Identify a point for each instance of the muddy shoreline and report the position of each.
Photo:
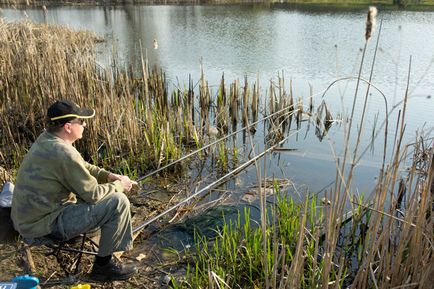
(14, 259)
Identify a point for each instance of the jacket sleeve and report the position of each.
(83, 181)
(97, 172)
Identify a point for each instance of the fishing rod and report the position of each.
(215, 183)
(213, 143)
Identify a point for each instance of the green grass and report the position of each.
(236, 256)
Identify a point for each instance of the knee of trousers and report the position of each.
(121, 201)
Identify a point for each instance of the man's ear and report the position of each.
(67, 127)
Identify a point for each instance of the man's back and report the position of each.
(41, 187)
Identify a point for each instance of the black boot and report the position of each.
(113, 270)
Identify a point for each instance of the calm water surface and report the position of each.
(311, 48)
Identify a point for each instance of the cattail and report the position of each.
(370, 21)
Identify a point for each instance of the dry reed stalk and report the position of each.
(204, 101)
(282, 96)
(291, 106)
(371, 19)
(299, 115)
(255, 100)
(341, 192)
(272, 99)
(246, 96)
(297, 265)
(348, 133)
(222, 114)
(233, 108)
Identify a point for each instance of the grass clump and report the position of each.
(235, 259)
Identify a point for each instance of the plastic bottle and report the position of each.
(6, 195)
(26, 282)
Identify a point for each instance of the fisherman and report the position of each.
(60, 196)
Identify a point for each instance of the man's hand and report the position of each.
(113, 177)
(125, 180)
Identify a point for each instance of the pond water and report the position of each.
(311, 47)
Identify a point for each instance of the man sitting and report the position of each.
(58, 194)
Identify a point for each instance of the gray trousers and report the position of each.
(111, 214)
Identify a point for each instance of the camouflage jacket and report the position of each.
(52, 176)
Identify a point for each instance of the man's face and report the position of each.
(76, 127)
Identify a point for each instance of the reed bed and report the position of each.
(40, 64)
(139, 125)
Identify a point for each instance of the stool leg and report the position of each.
(80, 254)
(56, 252)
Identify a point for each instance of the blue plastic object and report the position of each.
(8, 285)
(26, 282)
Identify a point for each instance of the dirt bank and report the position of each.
(14, 260)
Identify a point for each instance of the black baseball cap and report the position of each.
(63, 111)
